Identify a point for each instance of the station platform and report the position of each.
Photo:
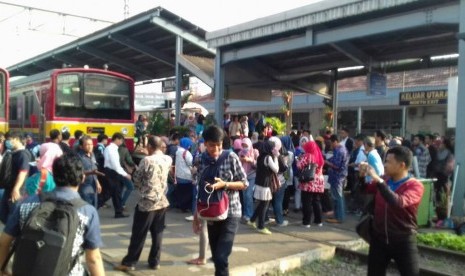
(253, 253)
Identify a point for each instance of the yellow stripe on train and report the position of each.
(92, 129)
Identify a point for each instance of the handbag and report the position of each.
(363, 227)
(214, 210)
(308, 173)
(275, 184)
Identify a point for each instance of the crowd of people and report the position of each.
(262, 171)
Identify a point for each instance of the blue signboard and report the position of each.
(377, 85)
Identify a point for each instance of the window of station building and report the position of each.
(390, 121)
(347, 119)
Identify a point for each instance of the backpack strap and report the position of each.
(43, 178)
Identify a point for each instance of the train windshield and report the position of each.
(92, 95)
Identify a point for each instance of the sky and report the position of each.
(28, 33)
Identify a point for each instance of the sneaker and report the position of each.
(269, 221)
(332, 220)
(125, 268)
(154, 267)
(306, 225)
(264, 231)
(189, 218)
(283, 224)
(319, 224)
(252, 224)
(245, 220)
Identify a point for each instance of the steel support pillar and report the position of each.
(457, 208)
(179, 47)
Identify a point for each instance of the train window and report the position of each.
(106, 92)
(13, 109)
(68, 90)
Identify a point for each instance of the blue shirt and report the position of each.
(89, 163)
(87, 235)
(340, 160)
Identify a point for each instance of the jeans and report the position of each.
(247, 195)
(404, 253)
(277, 203)
(129, 188)
(221, 236)
(337, 194)
(6, 206)
(90, 198)
(153, 221)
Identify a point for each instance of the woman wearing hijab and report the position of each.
(297, 196)
(288, 147)
(183, 164)
(237, 145)
(267, 164)
(312, 190)
(248, 156)
(278, 196)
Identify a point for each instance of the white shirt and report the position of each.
(111, 156)
(183, 164)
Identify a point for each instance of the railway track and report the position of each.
(433, 261)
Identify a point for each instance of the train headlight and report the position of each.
(124, 130)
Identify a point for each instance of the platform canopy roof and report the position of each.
(295, 49)
(143, 46)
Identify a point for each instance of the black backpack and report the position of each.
(46, 241)
(6, 178)
(208, 174)
(99, 158)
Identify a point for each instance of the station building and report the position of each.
(414, 102)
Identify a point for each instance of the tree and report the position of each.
(277, 124)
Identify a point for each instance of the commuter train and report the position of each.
(91, 100)
(4, 90)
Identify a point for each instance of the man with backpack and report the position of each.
(14, 171)
(45, 217)
(220, 172)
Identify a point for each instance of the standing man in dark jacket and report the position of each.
(395, 216)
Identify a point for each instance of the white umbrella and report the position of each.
(195, 107)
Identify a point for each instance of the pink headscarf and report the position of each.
(237, 145)
(48, 153)
(249, 152)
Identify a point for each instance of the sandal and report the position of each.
(197, 261)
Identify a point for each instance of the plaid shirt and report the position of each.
(230, 171)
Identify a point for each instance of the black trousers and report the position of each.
(221, 236)
(115, 183)
(260, 213)
(153, 221)
(404, 253)
(311, 204)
